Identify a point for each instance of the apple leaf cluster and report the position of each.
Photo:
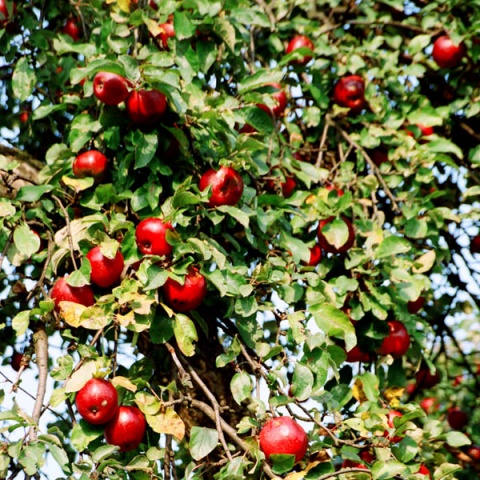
(253, 225)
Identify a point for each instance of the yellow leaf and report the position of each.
(71, 312)
(168, 422)
(93, 318)
(125, 320)
(425, 262)
(392, 395)
(153, 27)
(357, 391)
(124, 382)
(80, 377)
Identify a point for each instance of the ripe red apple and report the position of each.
(97, 401)
(150, 236)
(447, 54)
(414, 306)
(72, 29)
(188, 296)
(301, 41)
(126, 429)
(429, 404)
(227, 186)
(390, 416)
(24, 115)
(105, 271)
(110, 88)
(63, 292)
(283, 435)
(424, 130)
(330, 187)
(288, 186)
(146, 106)
(475, 244)
(366, 456)
(167, 32)
(91, 163)
(315, 256)
(4, 14)
(357, 355)
(326, 246)
(280, 98)
(423, 470)
(474, 453)
(396, 343)
(379, 155)
(426, 379)
(349, 92)
(16, 360)
(457, 418)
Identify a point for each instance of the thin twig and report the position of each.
(69, 231)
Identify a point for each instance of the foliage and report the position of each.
(272, 333)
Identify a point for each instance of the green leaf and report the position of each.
(427, 116)
(282, 463)
(182, 25)
(81, 277)
(83, 128)
(259, 79)
(61, 457)
(302, 382)
(392, 246)
(334, 323)
(26, 241)
(202, 442)
(457, 439)
(145, 147)
(241, 387)
(185, 334)
(384, 470)
(23, 79)
(20, 322)
(236, 213)
(370, 385)
(225, 30)
(336, 233)
(443, 145)
(299, 250)
(83, 433)
(46, 110)
(31, 194)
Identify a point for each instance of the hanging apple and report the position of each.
(105, 271)
(97, 401)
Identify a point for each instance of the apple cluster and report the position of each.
(97, 404)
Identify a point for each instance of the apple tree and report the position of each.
(240, 239)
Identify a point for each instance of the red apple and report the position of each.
(24, 115)
(429, 404)
(97, 401)
(105, 271)
(474, 453)
(288, 186)
(4, 14)
(357, 355)
(424, 130)
(17, 360)
(283, 435)
(423, 470)
(366, 456)
(150, 236)
(167, 32)
(475, 244)
(110, 88)
(63, 292)
(227, 186)
(280, 98)
(414, 306)
(90, 164)
(188, 296)
(326, 246)
(446, 53)
(72, 29)
(390, 416)
(146, 106)
(301, 41)
(457, 418)
(315, 256)
(330, 187)
(126, 429)
(379, 155)
(397, 342)
(349, 92)
(426, 379)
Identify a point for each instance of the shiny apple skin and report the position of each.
(349, 92)
(397, 342)
(301, 41)
(447, 54)
(126, 429)
(167, 32)
(72, 29)
(97, 401)
(282, 435)
(457, 418)
(150, 236)
(146, 106)
(110, 88)
(105, 271)
(315, 255)
(63, 292)
(90, 164)
(227, 186)
(188, 296)
(322, 240)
